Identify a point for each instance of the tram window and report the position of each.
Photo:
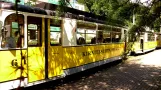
(86, 36)
(90, 37)
(80, 36)
(13, 32)
(99, 36)
(116, 36)
(55, 35)
(55, 32)
(106, 37)
(33, 34)
(151, 37)
(34, 31)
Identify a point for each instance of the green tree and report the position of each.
(31, 2)
(123, 10)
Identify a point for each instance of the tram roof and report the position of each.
(50, 9)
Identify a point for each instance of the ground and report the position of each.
(141, 72)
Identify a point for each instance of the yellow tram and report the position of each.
(43, 47)
(147, 41)
(158, 39)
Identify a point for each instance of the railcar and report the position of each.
(147, 41)
(38, 46)
(158, 38)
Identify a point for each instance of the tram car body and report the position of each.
(158, 40)
(52, 47)
(147, 41)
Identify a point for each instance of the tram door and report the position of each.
(54, 49)
(36, 48)
(142, 45)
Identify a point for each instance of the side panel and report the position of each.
(147, 46)
(36, 60)
(158, 43)
(55, 61)
(10, 63)
(150, 45)
(136, 46)
(76, 56)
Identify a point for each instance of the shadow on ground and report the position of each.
(112, 76)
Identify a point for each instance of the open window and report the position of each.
(34, 31)
(151, 37)
(55, 32)
(104, 34)
(99, 36)
(13, 32)
(90, 35)
(80, 36)
(116, 34)
(106, 37)
(86, 36)
(86, 33)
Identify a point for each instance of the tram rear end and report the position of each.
(13, 50)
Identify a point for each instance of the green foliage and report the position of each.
(122, 11)
(88, 4)
(156, 25)
(86, 25)
(108, 8)
(119, 12)
(31, 2)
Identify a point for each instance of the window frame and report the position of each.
(151, 37)
(107, 32)
(115, 33)
(56, 25)
(85, 33)
(58, 44)
(39, 28)
(22, 19)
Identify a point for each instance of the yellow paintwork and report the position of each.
(136, 46)
(9, 72)
(67, 57)
(147, 45)
(150, 45)
(76, 56)
(59, 58)
(36, 60)
(55, 61)
(36, 63)
(158, 43)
